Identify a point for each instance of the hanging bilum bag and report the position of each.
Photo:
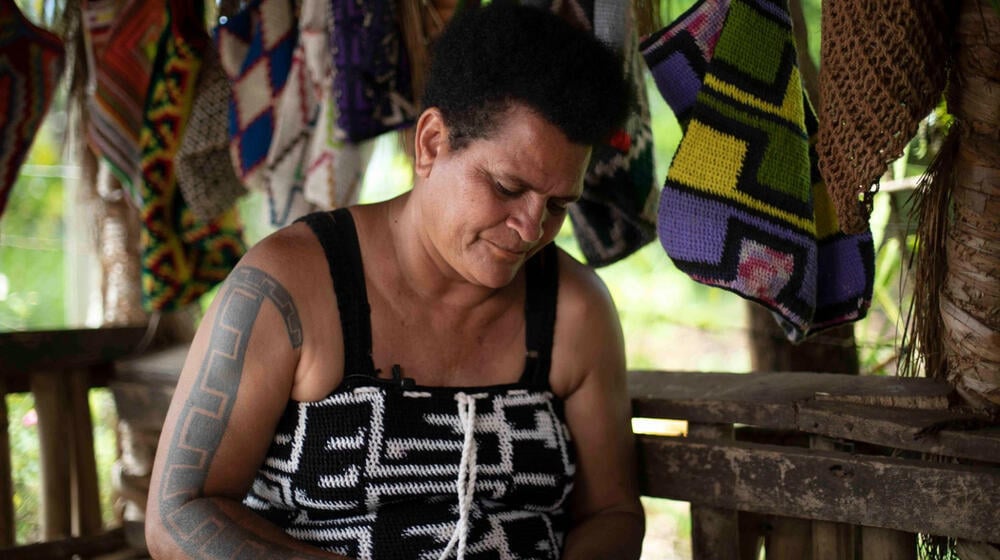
(31, 61)
(205, 172)
(884, 69)
(616, 213)
(122, 70)
(182, 257)
(371, 79)
(743, 207)
(334, 166)
(255, 47)
(295, 113)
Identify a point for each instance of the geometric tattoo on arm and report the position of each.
(202, 529)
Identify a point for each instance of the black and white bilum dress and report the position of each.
(384, 469)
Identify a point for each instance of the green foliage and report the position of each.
(24, 466)
(31, 247)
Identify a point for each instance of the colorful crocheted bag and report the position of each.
(182, 257)
(743, 207)
(255, 47)
(31, 61)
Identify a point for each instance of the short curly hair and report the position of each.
(488, 58)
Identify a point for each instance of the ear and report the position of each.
(430, 141)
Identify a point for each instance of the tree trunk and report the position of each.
(970, 294)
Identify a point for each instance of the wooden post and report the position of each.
(51, 403)
(86, 502)
(830, 541)
(887, 544)
(8, 533)
(714, 531)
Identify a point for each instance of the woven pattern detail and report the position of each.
(205, 170)
(31, 61)
(371, 71)
(616, 213)
(122, 73)
(743, 206)
(334, 167)
(182, 257)
(884, 68)
(370, 472)
(255, 47)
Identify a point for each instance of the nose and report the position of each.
(528, 221)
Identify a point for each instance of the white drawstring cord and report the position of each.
(466, 483)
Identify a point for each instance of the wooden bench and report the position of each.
(872, 454)
(862, 463)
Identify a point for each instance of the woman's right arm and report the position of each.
(234, 386)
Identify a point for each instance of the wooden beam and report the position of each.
(937, 498)
(767, 399)
(859, 408)
(22, 353)
(86, 547)
(938, 432)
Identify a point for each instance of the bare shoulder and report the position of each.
(293, 273)
(588, 337)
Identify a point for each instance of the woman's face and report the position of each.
(499, 200)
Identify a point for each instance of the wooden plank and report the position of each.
(789, 539)
(885, 544)
(765, 399)
(105, 543)
(714, 531)
(937, 498)
(917, 430)
(7, 519)
(830, 541)
(86, 509)
(22, 353)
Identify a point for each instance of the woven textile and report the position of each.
(205, 172)
(31, 61)
(616, 213)
(182, 257)
(334, 167)
(371, 71)
(743, 207)
(122, 71)
(256, 47)
(884, 69)
(372, 471)
(295, 113)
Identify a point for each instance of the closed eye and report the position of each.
(504, 191)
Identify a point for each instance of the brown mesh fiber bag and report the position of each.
(884, 66)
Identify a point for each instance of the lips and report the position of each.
(515, 252)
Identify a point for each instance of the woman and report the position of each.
(428, 377)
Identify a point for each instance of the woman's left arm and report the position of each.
(608, 519)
